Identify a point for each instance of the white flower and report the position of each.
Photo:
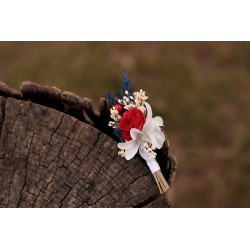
(146, 140)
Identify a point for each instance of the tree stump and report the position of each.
(55, 151)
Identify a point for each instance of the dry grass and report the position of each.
(201, 89)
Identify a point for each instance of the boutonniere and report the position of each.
(137, 129)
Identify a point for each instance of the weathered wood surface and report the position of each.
(55, 151)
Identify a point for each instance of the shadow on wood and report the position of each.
(55, 151)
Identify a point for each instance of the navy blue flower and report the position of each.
(126, 84)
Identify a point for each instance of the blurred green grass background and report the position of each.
(201, 89)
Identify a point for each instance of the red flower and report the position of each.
(133, 118)
(118, 107)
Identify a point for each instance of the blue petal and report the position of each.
(126, 84)
(111, 99)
